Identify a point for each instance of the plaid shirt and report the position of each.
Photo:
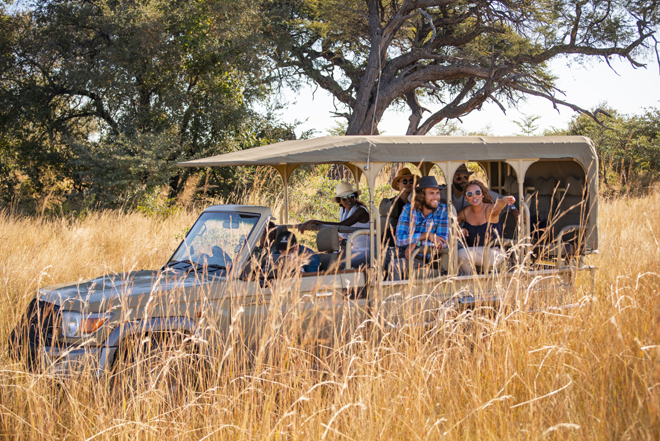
(436, 222)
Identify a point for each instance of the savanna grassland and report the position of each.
(588, 372)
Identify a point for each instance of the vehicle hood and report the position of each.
(110, 289)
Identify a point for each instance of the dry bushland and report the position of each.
(588, 372)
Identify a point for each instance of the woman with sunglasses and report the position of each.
(352, 213)
(480, 222)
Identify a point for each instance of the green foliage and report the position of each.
(103, 98)
(628, 146)
(338, 129)
(312, 192)
(452, 128)
(527, 124)
(154, 204)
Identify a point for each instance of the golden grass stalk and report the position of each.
(589, 372)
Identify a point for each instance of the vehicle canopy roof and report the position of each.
(368, 154)
(414, 149)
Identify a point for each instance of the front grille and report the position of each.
(38, 327)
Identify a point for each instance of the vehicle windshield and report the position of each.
(214, 241)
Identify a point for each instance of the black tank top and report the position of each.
(479, 235)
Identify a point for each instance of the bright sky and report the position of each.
(628, 90)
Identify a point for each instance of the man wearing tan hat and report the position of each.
(403, 182)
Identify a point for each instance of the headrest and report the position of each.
(384, 207)
(545, 186)
(574, 186)
(511, 184)
(327, 239)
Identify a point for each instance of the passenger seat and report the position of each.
(386, 221)
(570, 212)
(541, 202)
(327, 242)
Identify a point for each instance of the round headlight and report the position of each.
(71, 323)
(75, 324)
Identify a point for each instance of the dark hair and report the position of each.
(271, 230)
(420, 197)
(487, 198)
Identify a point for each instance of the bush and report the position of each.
(628, 147)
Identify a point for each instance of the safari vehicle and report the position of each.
(214, 283)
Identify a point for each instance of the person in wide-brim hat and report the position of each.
(343, 190)
(352, 213)
(403, 173)
(403, 182)
(463, 170)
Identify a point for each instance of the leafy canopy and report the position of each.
(103, 97)
(444, 58)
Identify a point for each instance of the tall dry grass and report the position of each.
(589, 372)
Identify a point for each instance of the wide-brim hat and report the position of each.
(344, 189)
(427, 182)
(405, 171)
(463, 170)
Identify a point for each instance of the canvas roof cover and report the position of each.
(414, 149)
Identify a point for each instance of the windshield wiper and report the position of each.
(176, 262)
(198, 266)
(215, 267)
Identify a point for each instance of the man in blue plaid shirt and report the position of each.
(424, 222)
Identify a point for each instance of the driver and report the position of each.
(289, 249)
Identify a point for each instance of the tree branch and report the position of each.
(416, 112)
(556, 102)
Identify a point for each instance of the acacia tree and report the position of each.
(449, 55)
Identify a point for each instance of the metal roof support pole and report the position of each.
(524, 228)
(370, 171)
(448, 169)
(285, 172)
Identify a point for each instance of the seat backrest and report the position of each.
(509, 225)
(328, 261)
(327, 239)
(570, 206)
(327, 242)
(385, 219)
(541, 201)
(511, 185)
(508, 220)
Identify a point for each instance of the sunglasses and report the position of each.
(473, 193)
(462, 178)
(350, 196)
(408, 181)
